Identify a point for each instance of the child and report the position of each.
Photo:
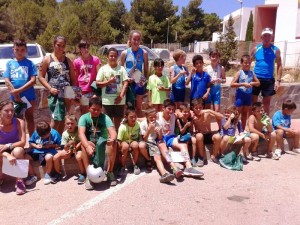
(202, 129)
(243, 81)
(128, 138)
(166, 120)
(200, 81)
(20, 77)
(281, 122)
(184, 125)
(260, 129)
(178, 73)
(158, 86)
(217, 76)
(112, 78)
(72, 146)
(44, 142)
(152, 135)
(231, 123)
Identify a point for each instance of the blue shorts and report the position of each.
(242, 98)
(215, 95)
(168, 139)
(177, 95)
(40, 155)
(139, 90)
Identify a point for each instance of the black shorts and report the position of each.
(208, 138)
(266, 87)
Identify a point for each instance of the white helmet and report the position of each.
(96, 175)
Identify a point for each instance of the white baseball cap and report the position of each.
(267, 30)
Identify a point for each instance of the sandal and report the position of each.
(149, 166)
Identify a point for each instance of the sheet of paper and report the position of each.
(19, 170)
(25, 100)
(178, 157)
(238, 138)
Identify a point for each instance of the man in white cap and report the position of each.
(265, 54)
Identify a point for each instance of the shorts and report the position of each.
(114, 110)
(152, 149)
(41, 156)
(242, 98)
(138, 90)
(266, 87)
(168, 139)
(214, 95)
(177, 95)
(57, 107)
(85, 99)
(207, 138)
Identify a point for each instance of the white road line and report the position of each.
(92, 202)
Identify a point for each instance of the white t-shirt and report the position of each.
(143, 129)
(168, 127)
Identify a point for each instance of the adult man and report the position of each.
(93, 127)
(265, 54)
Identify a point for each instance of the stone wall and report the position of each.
(286, 91)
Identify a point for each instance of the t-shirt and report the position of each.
(199, 84)
(215, 74)
(230, 131)
(87, 72)
(19, 73)
(279, 119)
(68, 136)
(54, 138)
(152, 135)
(157, 96)
(180, 83)
(101, 123)
(128, 134)
(168, 127)
(113, 90)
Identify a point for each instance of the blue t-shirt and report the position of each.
(231, 129)
(54, 138)
(265, 61)
(245, 77)
(279, 119)
(180, 83)
(199, 84)
(19, 73)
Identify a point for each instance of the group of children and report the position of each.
(171, 125)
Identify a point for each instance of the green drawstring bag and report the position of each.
(130, 97)
(97, 91)
(231, 161)
(99, 157)
(20, 108)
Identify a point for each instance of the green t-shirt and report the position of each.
(101, 123)
(113, 90)
(129, 134)
(66, 137)
(157, 96)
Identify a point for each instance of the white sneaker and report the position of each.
(278, 152)
(47, 179)
(296, 150)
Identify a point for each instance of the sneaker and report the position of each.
(244, 159)
(272, 156)
(136, 170)
(81, 179)
(192, 172)
(200, 163)
(178, 172)
(111, 179)
(88, 184)
(255, 157)
(278, 152)
(57, 177)
(30, 180)
(296, 150)
(194, 163)
(214, 159)
(122, 172)
(47, 179)
(166, 178)
(20, 187)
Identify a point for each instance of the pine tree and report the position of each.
(249, 33)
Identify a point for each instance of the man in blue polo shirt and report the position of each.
(265, 55)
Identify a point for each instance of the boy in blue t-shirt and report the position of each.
(43, 143)
(20, 76)
(200, 81)
(281, 122)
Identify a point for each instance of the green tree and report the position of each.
(249, 32)
(227, 44)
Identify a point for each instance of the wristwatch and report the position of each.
(10, 146)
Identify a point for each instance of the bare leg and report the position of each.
(80, 163)
(124, 151)
(267, 102)
(111, 151)
(135, 151)
(29, 116)
(139, 102)
(49, 163)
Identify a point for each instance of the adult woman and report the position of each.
(12, 140)
(60, 72)
(135, 60)
(86, 68)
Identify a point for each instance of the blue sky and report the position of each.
(220, 7)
